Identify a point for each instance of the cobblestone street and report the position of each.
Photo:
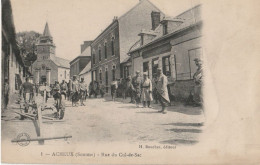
(102, 120)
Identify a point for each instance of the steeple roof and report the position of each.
(46, 31)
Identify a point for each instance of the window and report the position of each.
(142, 40)
(12, 60)
(94, 74)
(93, 58)
(106, 80)
(166, 66)
(155, 65)
(112, 47)
(194, 53)
(126, 74)
(99, 54)
(65, 74)
(146, 68)
(105, 49)
(185, 65)
(100, 76)
(114, 73)
(165, 29)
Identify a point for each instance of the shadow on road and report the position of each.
(185, 130)
(179, 141)
(186, 124)
(148, 112)
(185, 110)
(128, 107)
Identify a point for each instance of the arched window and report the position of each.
(106, 72)
(99, 54)
(105, 50)
(113, 46)
(100, 76)
(114, 72)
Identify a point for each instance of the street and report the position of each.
(102, 120)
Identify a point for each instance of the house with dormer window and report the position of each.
(172, 46)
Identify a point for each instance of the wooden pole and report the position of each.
(39, 134)
(26, 115)
(44, 117)
(41, 138)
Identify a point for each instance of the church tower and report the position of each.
(46, 47)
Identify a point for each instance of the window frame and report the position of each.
(154, 59)
(113, 46)
(146, 62)
(189, 55)
(100, 76)
(93, 58)
(165, 28)
(164, 66)
(105, 50)
(113, 72)
(99, 54)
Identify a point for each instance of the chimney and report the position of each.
(155, 19)
(85, 45)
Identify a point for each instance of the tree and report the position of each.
(27, 41)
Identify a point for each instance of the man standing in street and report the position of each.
(75, 91)
(6, 93)
(69, 85)
(83, 90)
(162, 91)
(129, 88)
(114, 86)
(147, 87)
(26, 90)
(198, 75)
(154, 82)
(64, 88)
(137, 88)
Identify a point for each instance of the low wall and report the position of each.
(181, 89)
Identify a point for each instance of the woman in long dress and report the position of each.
(146, 95)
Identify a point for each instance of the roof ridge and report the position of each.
(140, 1)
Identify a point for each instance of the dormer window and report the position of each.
(165, 29)
(142, 40)
(169, 24)
(146, 36)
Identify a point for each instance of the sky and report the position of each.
(73, 21)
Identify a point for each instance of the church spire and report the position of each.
(46, 31)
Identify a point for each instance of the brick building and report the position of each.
(80, 62)
(48, 67)
(109, 50)
(173, 46)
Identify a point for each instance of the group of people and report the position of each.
(144, 90)
(75, 90)
(140, 89)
